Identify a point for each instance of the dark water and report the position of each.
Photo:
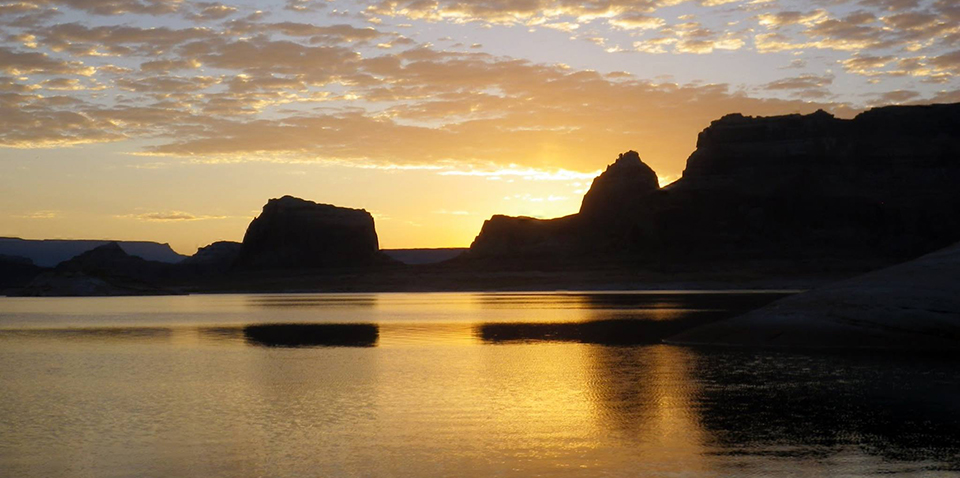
(491, 384)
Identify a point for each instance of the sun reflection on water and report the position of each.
(445, 385)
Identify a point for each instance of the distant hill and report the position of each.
(423, 256)
(17, 271)
(50, 252)
(105, 270)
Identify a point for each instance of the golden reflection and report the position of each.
(432, 334)
(645, 396)
(100, 401)
(527, 405)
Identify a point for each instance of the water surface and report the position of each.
(448, 384)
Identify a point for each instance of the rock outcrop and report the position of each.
(914, 305)
(602, 225)
(882, 186)
(293, 233)
(218, 256)
(508, 236)
(620, 188)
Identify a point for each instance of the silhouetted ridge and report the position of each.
(880, 187)
(295, 233)
(50, 252)
(619, 192)
(104, 270)
(899, 146)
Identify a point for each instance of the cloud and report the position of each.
(331, 89)
(116, 7)
(895, 97)
(163, 85)
(950, 9)
(210, 11)
(797, 64)
(866, 65)
(120, 40)
(689, 37)
(26, 15)
(891, 5)
(166, 66)
(530, 114)
(781, 19)
(939, 69)
(338, 33)
(17, 8)
(34, 121)
(305, 5)
(524, 11)
(949, 62)
(912, 20)
(803, 86)
(529, 174)
(875, 40)
(800, 82)
(49, 214)
(635, 21)
(22, 63)
(11, 85)
(414, 107)
(62, 84)
(261, 57)
(169, 216)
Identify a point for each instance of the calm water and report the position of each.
(447, 385)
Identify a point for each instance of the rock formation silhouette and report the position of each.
(218, 256)
(620, 188)
(797, 187)
(805, 197)
(293, 233)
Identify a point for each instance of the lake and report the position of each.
(448, 384)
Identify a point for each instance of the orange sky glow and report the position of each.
(174, 121)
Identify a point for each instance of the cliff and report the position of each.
(795, 187)
(295, 233)
(894, 150)
(915, 305)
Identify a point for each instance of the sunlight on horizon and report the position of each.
(176, 121)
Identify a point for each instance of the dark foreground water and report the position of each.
(447, 385)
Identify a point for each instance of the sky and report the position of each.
(175, 120)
